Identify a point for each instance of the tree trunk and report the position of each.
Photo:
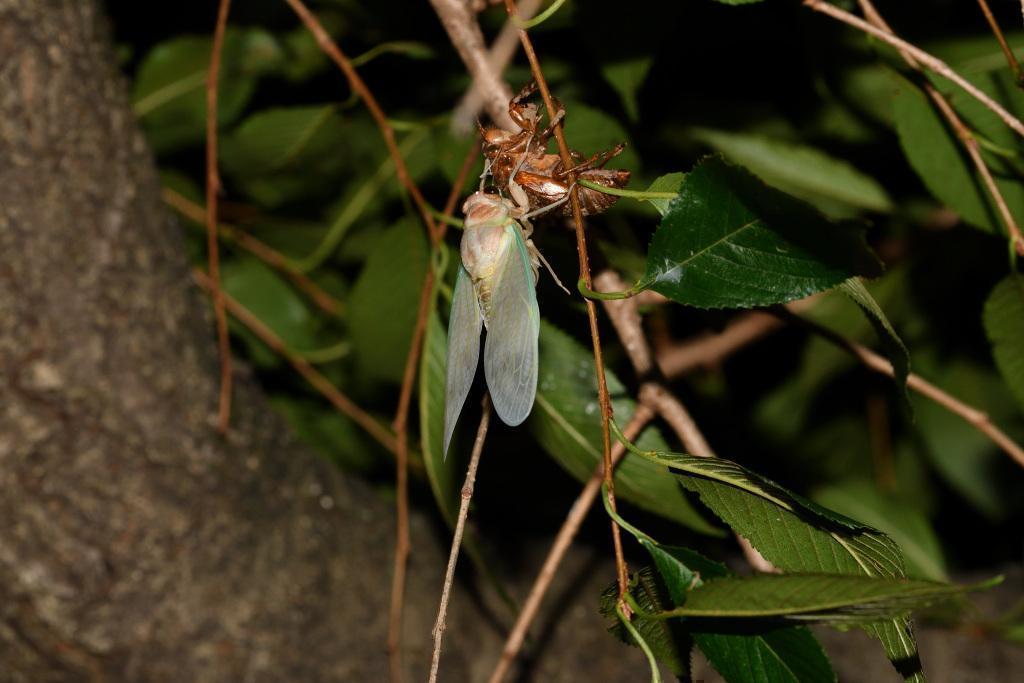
(135, 543)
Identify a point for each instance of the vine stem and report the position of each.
(460, 527)
(933, 63)
(563, 540)
(967, 138)
(340, 401)
(212, 190)
(584, 259)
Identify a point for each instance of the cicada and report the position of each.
(520, 162)
(495, 288)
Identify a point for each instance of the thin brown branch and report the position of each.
(1011, 59)
(459, 20)
(269, 255)
(976, 418)
(357, 84)
(931, 62)
(502, 50)
(460, 526)
(342, 403)
(563, 540)
(402, 544)
(625, 317)
(584, 259)
(710, 349)
(970, 143)
(212, 190)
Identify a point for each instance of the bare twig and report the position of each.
(259, 249)
(459, 20)
(402, 544)
(577, 513)
(976, 418)
(970, 143)
(626, 319)
(212, 190)
(357, 84)
(342, 403)
(584, 259)
(933, 63)
(460, 526)
(710, 349)
(1011, 59)
(502, 50)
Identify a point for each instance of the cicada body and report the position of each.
(496, 289)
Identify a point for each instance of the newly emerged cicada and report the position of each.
(495, 288)
(520, 163)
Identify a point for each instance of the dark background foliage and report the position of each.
(805, 103)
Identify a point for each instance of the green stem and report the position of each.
(993, 147)
(626, 442)
(651, 661)
(632, 194)
(327, 354)
(540, 18)
(445, 218)
(620, 521)
(354, 208)
(581, 285)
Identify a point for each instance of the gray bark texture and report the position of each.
(135, 543)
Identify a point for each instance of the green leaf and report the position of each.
(729, 241)
(442, 472)
(802, 171)
(590, 131)
(169, 93)
(765, 655)
(278, 155)
(385, 300)
(890, 514)
(938, 156)
(1004, 325)
(566, 420)
(780, 655)
(670, 182)
(797, 535)
(965, 458)
(832, 598)
(895, 350)
(667, 638)
(271, 299)
(626, 76)
(329, 432)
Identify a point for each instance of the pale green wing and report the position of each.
(510, 356)
(463, 351)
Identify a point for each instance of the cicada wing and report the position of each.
(463, 351)
(513, 325)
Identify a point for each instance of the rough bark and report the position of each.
(136, 544)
